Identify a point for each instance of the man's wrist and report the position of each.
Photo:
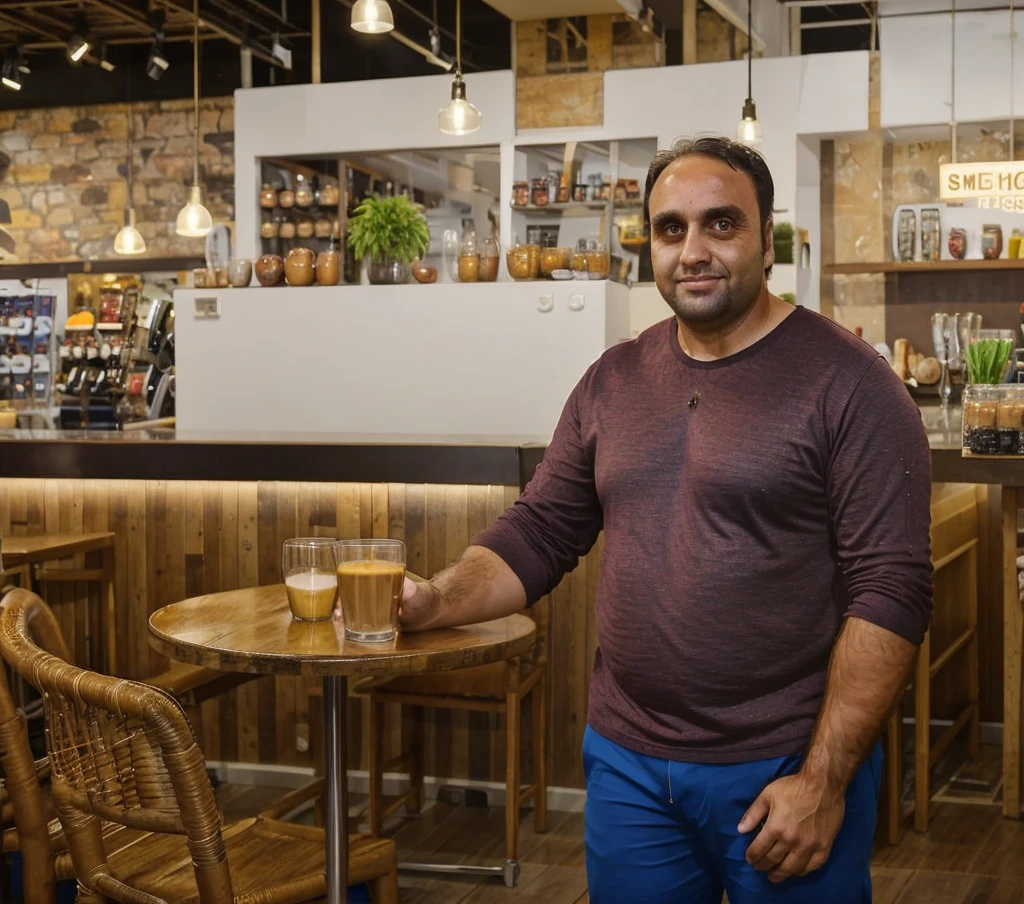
(820, 779)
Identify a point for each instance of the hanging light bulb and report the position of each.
(458, 116)
(194, 220)
(128, 239)
(749, 130)
(372, 17)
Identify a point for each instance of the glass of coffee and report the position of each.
(307, 566)
(370, 578)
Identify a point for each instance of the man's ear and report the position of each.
(768, 242)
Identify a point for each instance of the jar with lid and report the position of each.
(563, 189)
(322, 229)
(517, 260)
(579, 192)
(469, 258)
(520, 194)
(286, 198)
(268, 228)
(305, 227)
(330, 194)
(552, 259)
(286, 228)
(268, 197)
(540, 193)
(303, 192)
(489, 256)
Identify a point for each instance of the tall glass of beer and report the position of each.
(370, 578)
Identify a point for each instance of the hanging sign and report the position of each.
(1000, 183)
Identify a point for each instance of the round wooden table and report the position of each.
(253, 631)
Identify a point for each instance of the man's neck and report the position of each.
(709, 342)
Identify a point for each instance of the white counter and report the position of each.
(466, 359)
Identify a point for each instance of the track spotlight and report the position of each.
(105, 63)
(157, 63)
(78, 42)
(10, 77)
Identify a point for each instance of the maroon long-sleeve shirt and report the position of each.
(738, 532)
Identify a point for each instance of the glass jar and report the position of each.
(598, 261)
(305, 227)
(490, 254)
(322, 229)
(563, 189)
(286, 198)
(579, 260)
(286, 229)
(993, 419)
(303, 192)
(268, 228)
(268, 197)
(517, 260)
(552, 259)
(330, 194)
(540, 193)
(520, 194)
(469, 259)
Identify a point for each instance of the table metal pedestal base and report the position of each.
(508, 871)
(336, 768)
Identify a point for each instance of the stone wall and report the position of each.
(62, 171)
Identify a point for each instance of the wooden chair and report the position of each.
(124, 752)
(499, 688)
(954, 537)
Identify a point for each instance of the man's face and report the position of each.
(707, 249)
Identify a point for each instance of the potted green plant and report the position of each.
(782, 236)
(389, 233)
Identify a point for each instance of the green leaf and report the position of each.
(391, 227)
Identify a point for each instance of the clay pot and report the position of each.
(328, 268)
(422, 274)
(239, 272)
(269, 270)
(299, 267)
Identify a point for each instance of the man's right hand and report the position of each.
(419, 606)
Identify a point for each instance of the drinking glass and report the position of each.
(370, 578)
(308, 570)
(942, 326)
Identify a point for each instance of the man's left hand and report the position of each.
(801, 821)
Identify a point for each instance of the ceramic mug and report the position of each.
(239, 272)
(269, 270)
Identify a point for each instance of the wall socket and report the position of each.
(545, 303)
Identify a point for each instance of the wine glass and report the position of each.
(942, 332)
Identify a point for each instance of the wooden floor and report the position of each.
(971, 855)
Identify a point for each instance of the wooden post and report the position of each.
(1013, 640)
(315, 39)
(795, 32)
(689, 32)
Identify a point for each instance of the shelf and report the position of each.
(112, 327)
(923, 267)
(578, 207)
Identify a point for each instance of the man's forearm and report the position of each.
(866, 677)
(477, 588)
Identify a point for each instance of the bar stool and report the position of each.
(954, 537)
(28, 559)
(31, 556)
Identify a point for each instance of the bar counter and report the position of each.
(198, 513)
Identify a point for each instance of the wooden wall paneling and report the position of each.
(438, 729)
(56, 515)
(156, 562)
(456, 510)
(599, 43)
(990, 602)
(285, 697)
(365, 510)
(248, 576)
(480, 737)
(416, 561)
(117, 521)
(531, 47)
(216, 746)
(96, 497)
(136, 589)
(560, 101)
(347, 515)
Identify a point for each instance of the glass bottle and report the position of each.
(303, 192)
(469, 259)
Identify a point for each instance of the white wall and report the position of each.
(916, 68)
(771, 22)
(354, 117)
(458, 359)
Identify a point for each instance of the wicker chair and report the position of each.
(124, 753)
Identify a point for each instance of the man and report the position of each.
(763, 483)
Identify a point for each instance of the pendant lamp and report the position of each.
(194, 220)
(749, 130)
(128, 239)
(372, 17)
(458, 116)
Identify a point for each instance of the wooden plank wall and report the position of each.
(178, 539)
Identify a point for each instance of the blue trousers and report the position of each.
(643, 849)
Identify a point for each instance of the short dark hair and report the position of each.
(740, 157)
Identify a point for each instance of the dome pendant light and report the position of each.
(128, 239)
(458, 116)
(194, 220)
(749, 130)
(372, 17)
